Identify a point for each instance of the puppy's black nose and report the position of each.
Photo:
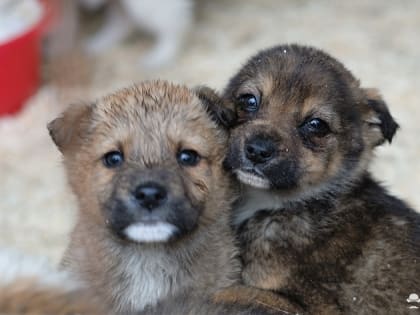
(259, 150)
(150, 196)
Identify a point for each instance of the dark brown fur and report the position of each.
(150, 124)
(313, 224)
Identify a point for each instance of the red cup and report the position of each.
(20, 69)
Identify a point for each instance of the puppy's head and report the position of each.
(304, 123)
(145, 161)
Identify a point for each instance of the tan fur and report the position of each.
(149, 122)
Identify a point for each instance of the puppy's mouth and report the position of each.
(165, 224)
(150, 231)
(252, 178)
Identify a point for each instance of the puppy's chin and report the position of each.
(252, 180)
(156, 232)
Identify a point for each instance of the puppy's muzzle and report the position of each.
(259, 150)
(265, 160)
(148, 220)
(150, 195)
(149, 206)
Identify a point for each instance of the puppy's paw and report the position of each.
(249, 296)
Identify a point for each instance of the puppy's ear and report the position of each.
(64, 129)
(381, 125)
(221, 112)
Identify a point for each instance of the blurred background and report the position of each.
(58, 52)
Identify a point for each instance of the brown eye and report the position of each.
(113, 159)
(249, 103)
(188, 158)
(316, 127)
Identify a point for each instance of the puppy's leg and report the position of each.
(116, 27)
(248, 296)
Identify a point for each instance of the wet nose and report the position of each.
(259, 150)
(150, 196)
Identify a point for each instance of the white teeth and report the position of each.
(149, 233)
(252, 180)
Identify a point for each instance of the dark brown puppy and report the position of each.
(146, 166)
(312, 223)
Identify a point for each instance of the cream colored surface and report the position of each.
(377, 40)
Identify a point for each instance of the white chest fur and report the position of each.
(144, 279)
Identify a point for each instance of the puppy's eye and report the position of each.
(188, 158)
(316, 127)
(249, 103)
(113, 159)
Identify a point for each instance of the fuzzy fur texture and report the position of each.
(149, 123)
(320, 230)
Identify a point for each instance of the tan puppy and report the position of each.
(313, 224)
(146, 166)
(30, 285)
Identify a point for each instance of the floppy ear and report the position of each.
(64, 129)
(381, 125)
(221, 112)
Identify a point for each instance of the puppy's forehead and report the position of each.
(297, 78)
(153, 116)
(135, 103)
